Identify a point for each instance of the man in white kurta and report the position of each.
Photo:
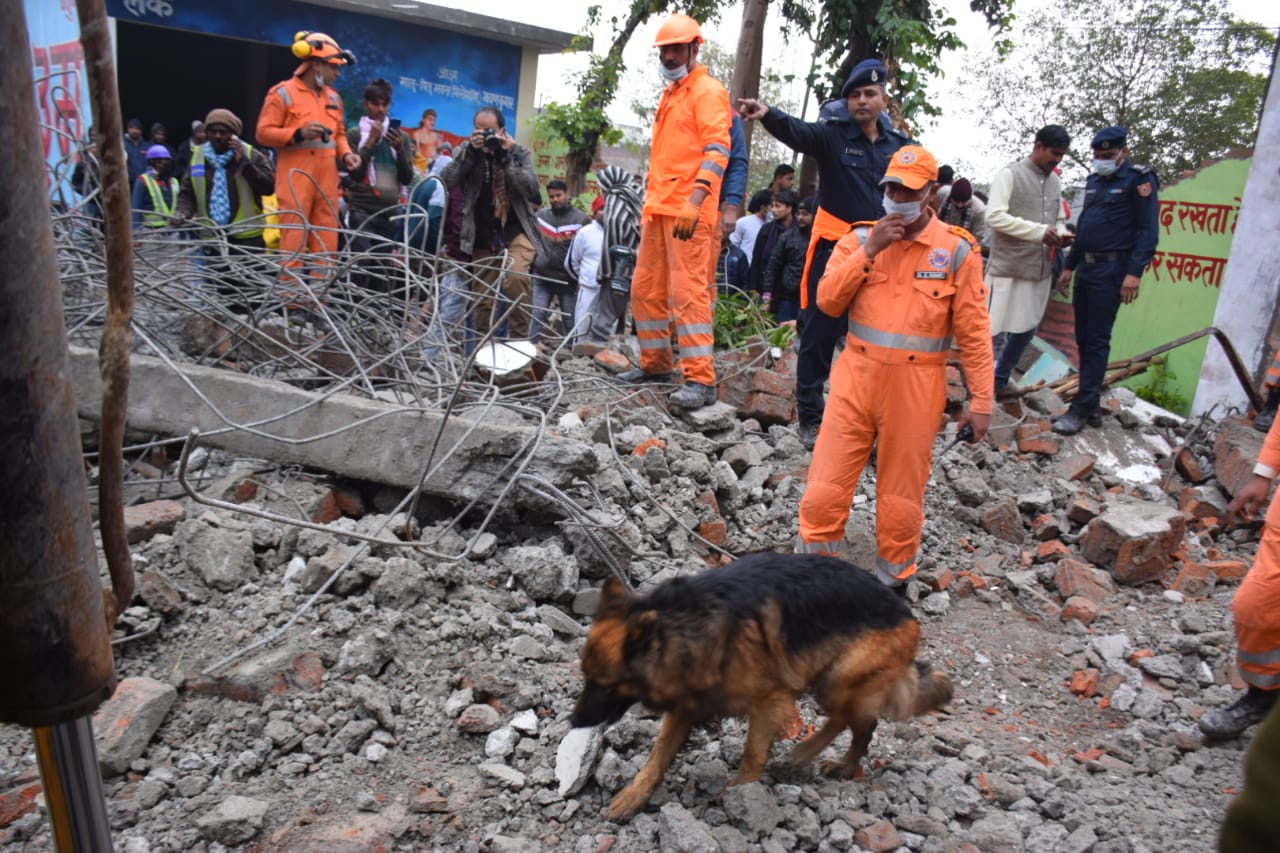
(1028, 221)
(582, 262)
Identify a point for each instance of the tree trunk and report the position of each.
(578, 162)
(746, 66)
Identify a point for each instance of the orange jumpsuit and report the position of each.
(904, 308)
(1257, 602)
(303, 200)
(690, 150)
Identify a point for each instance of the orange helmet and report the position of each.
(678, 29)
(320, 47)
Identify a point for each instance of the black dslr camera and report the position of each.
(492, 142)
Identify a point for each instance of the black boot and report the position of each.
(1231, 721)
(1267, 415)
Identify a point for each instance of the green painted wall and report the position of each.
(1180, 290)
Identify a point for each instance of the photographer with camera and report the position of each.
(302, 118)
(500, 197)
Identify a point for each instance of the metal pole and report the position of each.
(55, 647)
(73, 787)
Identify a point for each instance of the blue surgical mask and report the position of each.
(673, 75)
(909, 210)
(1105, 168)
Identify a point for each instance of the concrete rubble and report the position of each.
(1078, 590)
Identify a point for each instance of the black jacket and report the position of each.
(760, 252)
(786, 264)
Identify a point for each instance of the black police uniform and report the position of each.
(1116, 236)
(850, 167)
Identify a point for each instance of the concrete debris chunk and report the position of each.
(235, 820)
(1134, 540)
(680, 831)
(576, 758)
(126, 723)
(222, 558)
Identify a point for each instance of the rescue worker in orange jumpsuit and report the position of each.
(909, 285)
(302, 118)
(688, 158)
(1256, 606)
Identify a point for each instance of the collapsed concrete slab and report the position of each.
(341, 433)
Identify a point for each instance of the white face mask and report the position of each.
(320, 84)
(673, 75)
(1105, 168)
(909, 210)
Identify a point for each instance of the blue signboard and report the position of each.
(451, 73)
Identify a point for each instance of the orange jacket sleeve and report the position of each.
(1270, 453)
(971, 329)
(714, 117)
(847, 271)
(274, 129)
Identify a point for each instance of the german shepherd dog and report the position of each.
(748, 640)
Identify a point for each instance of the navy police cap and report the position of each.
(1110, 138)
(868, 72)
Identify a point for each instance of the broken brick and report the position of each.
(1044, 445)
(1134, 540)
(1202, 502)
(1188, 467)
(1081, 609)
(1003, 520)
(143, 521)
(1194, 580)
(643, 447)
(769, 409)
(1076, 466)
(1227, 570)
(245, 490)
(1077, 578)
(1045, 527)
(1235, 451)
(716, 532)
(773, 382)
(16, 802)
(879, 837)
(1084, 682)
(1054, 549)
(1083, 509)
(614, 362)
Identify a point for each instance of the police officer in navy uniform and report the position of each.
(853, 141)
(1116, 237)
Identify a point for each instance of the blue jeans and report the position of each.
(452, 321)
(1096, 299)
(543, 292)
(788, 309)
(1015, 344)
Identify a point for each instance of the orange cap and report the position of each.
(912, 166)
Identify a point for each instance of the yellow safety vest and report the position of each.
(247, 206)
(160, 213)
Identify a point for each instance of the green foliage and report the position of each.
(739, 319)
(1185, 76)
(909, 35)
(1160, 390)
(584, 124)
